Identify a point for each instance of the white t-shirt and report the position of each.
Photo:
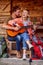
(26, 22)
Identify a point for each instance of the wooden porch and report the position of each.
(36, 15)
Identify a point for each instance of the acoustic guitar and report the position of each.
(21, 30)
(14, 33)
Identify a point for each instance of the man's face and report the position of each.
(18, 13)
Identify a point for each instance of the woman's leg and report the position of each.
(27, 40)
(24, 49)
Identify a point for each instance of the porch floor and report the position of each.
(15, 61)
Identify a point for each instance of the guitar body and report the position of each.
(14, 33)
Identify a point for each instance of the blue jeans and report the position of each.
(24, 37)
(17, 39)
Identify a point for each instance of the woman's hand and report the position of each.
(35, 27)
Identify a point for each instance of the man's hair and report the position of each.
(15, 8)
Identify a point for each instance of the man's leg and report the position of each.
(17, 39)
(18, 42)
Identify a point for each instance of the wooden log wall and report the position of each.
(35, 7)
(4, 12)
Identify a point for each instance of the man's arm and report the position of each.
(11, 22)
(5, 26)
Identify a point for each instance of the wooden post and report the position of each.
(11, 6)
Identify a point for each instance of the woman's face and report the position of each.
(25, 14)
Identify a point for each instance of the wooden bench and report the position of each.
(11, 45)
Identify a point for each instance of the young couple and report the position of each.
(18, 17)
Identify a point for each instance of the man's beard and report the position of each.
(18, 16)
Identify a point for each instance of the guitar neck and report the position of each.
(30, 26)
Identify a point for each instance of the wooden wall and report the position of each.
(35, 7)
(4, 12)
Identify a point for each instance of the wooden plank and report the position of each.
(40, 34)
(40, 27)
(13, 52)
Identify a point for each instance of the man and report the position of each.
(15, 14)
